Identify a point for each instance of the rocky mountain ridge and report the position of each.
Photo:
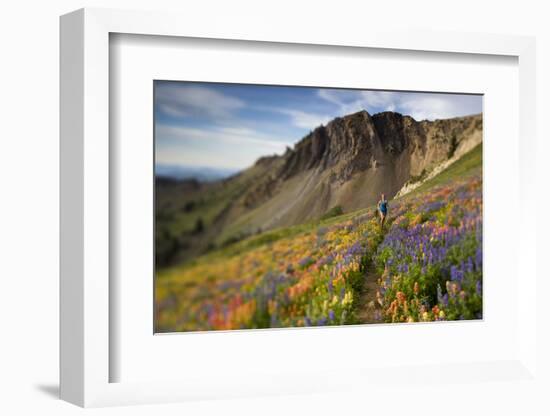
(353, 159)
(348, 163)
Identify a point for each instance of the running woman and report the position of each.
(383, 209)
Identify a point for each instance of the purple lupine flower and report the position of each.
(305, 261)
(478, 287)
(355, 249)
(479, 259)
(326, 260)
(454, 273)
(331, 315)
(209, 310)
(469, 265)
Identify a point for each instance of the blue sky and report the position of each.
(232, 125)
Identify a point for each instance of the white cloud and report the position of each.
(348, 101)
(428, 107)
(299, 118)
(225, 147)
(351, 101)
(306, 120)
(383, 99)
(420, 106)
(182, 100)
(228, 135)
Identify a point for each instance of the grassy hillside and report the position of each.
(190, 215)
(424, 265)
(469, 164)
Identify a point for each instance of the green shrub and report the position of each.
(333, 212)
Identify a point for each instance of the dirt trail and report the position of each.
(368, 305)
(368, 308)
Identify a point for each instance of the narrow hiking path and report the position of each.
(369, 310)
(368, 306)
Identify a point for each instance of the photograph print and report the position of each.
(289, 206)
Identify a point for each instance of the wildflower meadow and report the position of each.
(424, 264)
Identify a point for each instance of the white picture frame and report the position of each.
(85, 353)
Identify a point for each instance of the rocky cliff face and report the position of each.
(359, 142)
(349, 162)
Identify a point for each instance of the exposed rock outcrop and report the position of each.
(353, 159)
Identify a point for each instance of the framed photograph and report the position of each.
(254, 229)
(287, 213)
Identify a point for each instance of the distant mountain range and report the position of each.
(346, 164)
(199, 173)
